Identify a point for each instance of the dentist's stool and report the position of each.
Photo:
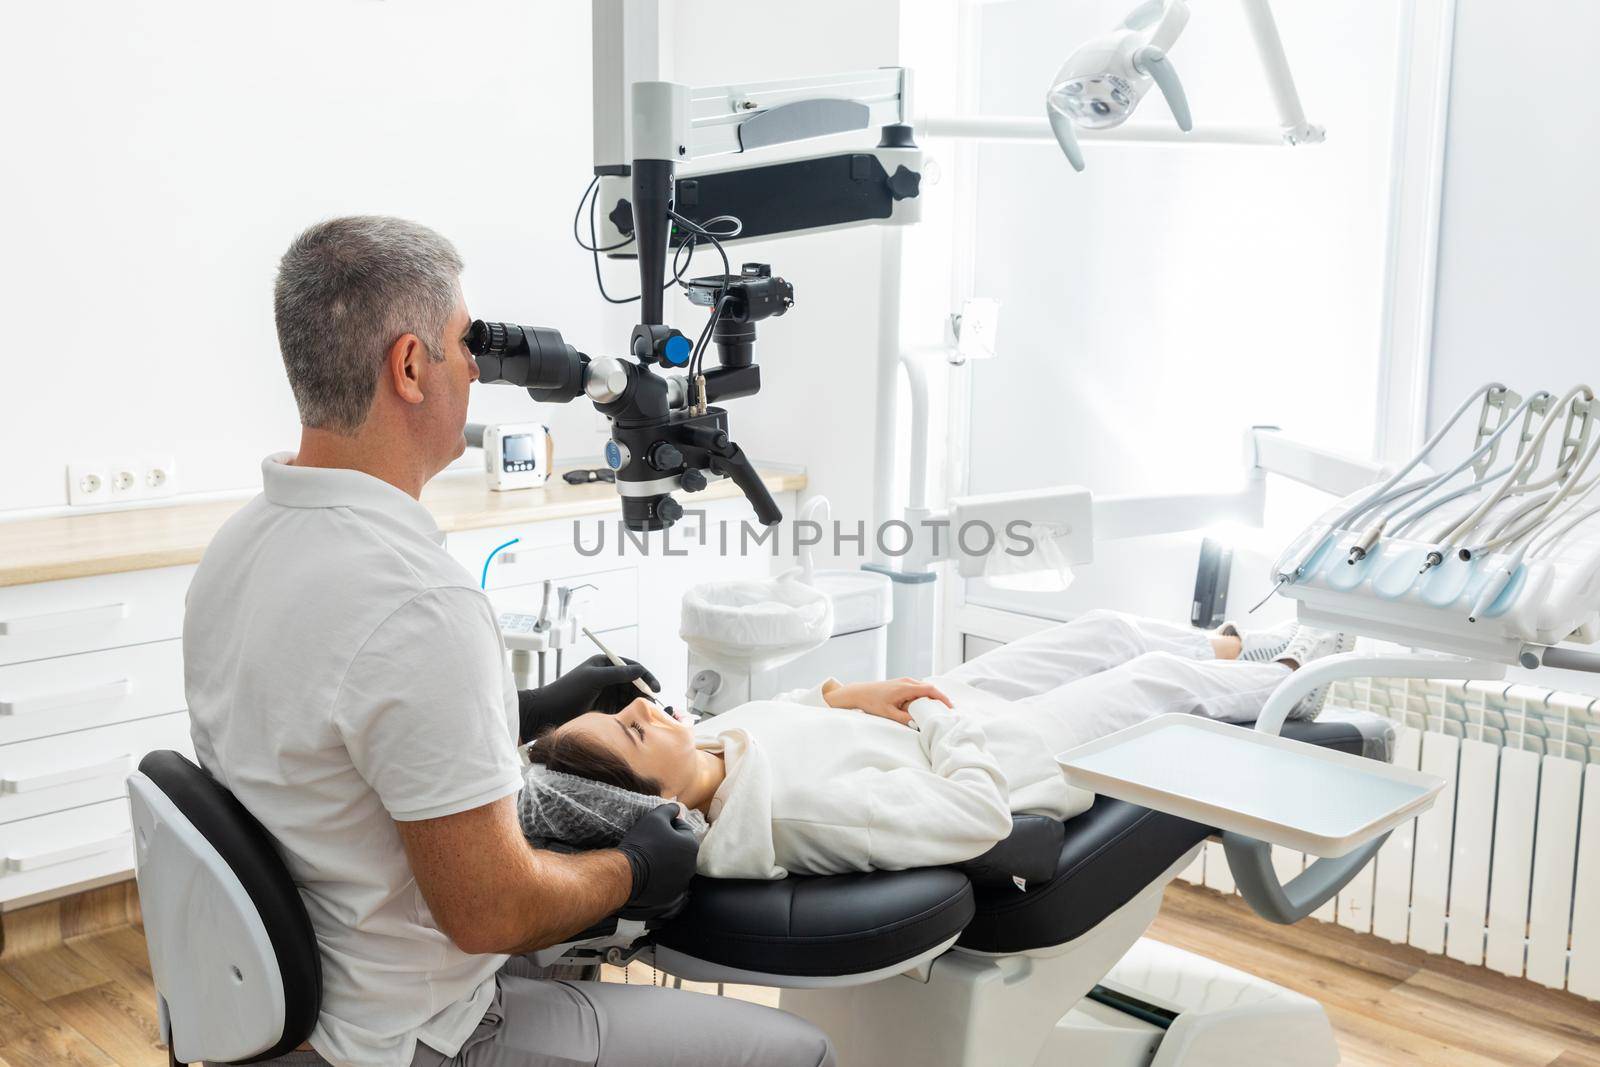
(232, 951)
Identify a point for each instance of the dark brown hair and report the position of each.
(570, 752)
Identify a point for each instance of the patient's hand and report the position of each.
(886, 699)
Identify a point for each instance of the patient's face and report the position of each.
(649, 740)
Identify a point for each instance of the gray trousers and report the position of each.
(544, 1022)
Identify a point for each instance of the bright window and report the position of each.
(1160, 303)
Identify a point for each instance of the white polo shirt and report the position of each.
(343, 672)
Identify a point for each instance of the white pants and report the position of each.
(1104, 671)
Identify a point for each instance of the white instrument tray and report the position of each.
(1267, 787)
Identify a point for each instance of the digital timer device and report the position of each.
(517, 455)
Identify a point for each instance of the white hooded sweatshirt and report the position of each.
(812, 789)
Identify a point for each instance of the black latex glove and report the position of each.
(596, 684)
(661, 850)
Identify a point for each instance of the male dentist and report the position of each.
(346, 681)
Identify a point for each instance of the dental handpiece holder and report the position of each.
(666, 433)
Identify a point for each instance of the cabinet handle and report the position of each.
(34, 860)
(94, 694)
(117, 765)
(55, 620)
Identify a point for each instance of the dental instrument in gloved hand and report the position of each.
(649, 693)
(599, 683)
(662, 851)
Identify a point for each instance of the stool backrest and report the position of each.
(232, 950)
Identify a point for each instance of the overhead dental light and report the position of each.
(1103, 81)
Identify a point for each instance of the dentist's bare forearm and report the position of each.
(492, 893)
(597, 885)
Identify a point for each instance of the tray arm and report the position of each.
(1250, 860)
(1331, 669)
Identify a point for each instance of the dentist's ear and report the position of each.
(404, 364)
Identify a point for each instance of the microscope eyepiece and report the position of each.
(492, 338)
(533, 357)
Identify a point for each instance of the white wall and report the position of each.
(1519, 248)
(162, 153)
(1167, 298)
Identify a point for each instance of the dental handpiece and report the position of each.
(618, 661)
(638, 683)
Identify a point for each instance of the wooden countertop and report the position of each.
(108, 542)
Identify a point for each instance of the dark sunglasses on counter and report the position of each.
(583, 476)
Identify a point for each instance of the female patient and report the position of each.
(890, 775)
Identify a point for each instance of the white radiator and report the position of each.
(1504, 870)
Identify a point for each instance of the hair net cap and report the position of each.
(751, 624)
(579, 813)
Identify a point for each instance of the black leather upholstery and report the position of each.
(1029, 853)
(248, 849)
(1110, 853)
(855, 923)
(810, 927)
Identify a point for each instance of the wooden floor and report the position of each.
(89, 1001)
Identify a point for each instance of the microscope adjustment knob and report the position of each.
(669, 510)
(904, 184)
(664, 456)
(607, 380)
(692, 480)
(676, 349)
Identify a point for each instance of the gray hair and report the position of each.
(347, 289)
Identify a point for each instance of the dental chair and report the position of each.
(932, 966)
(1031, 955)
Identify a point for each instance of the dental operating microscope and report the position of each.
(668, 432)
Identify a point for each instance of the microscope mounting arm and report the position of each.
(666, 433)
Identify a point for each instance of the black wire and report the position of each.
(697, 358)
(696, 230)
(677, 271)
(590, 195)
(593, 246)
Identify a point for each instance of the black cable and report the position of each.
(697, 230)
(697, 358)
(590, 196)
(677, 271)
(593, 246)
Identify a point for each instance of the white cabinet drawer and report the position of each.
(613, 602)
(64, 848)
(71, 770)
(83, 614)
(53, 696)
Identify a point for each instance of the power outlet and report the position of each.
(118, 481)
(88, 483)
(127, 480)
(158, 476)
